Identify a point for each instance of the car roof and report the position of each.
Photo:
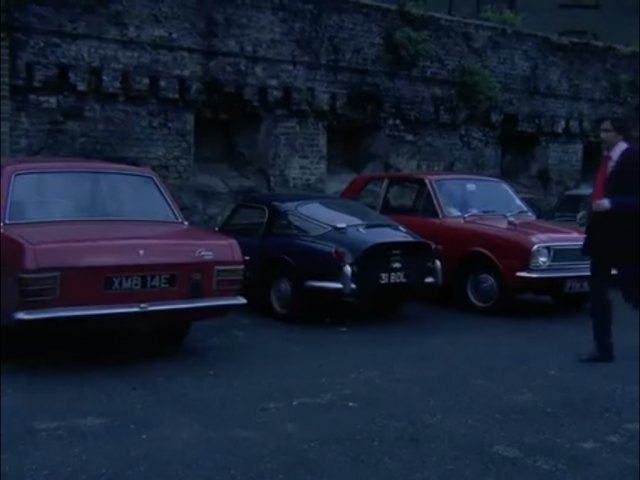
(579, 191)
(284, 198)
(64, 163)
(428, 174)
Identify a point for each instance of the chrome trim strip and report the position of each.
(346, 278)
(554, 273)
(74, 312)
(345, 283)
(436, 278)
(327, 285)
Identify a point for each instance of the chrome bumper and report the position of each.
(436, 278)
(131, 308)
(564, 273)
(346, 286)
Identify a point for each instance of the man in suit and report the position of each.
(612, 233)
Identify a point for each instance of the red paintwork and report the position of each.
(507, 246)
(84, 252)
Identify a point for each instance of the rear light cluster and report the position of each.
(228, 277)
(340, 255)
(38, 286)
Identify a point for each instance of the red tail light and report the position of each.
(39, 286)
(228, 277)
(340, 255)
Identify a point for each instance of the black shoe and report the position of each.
(597, 358)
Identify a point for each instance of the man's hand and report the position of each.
(601, 205)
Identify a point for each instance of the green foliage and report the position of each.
(501, 15)
(477, 89)
(411, 7)
(624, 86)
(404, 45)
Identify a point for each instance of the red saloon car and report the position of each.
(492, 246)
(93, 241)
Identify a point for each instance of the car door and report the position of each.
(246, 224)
(294, 238)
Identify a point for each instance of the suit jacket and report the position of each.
(614, 235)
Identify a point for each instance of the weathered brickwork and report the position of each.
(286, 82)
(5, 101)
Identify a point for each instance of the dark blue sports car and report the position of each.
(299, 248)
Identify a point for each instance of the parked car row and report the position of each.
(95, 241)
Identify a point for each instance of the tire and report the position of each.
(283, 295)
(479, 288)
(575, 301)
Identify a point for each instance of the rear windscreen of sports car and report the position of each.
(63, 196)
(336, 212)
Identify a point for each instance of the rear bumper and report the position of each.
(203, 304)
(346, 287)
(554, 282)
(554, 274)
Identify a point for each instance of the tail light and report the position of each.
(228, 277)
(340, 255)
(38, 286)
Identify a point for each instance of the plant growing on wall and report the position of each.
(501, 15)
(404, 45)
(477, 89)
(623, 86)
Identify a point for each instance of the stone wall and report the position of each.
(221, 96)
(5, 100)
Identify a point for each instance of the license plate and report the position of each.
(153, 281)
(392, 278)
(576, 286)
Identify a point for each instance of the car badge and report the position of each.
(396, 265)
(204, 253)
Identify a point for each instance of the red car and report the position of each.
(94, 241)
(492, 246)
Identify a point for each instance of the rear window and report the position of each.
(337, 212)
(87, 195)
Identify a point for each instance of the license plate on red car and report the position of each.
(392, 278)
(151, 281)
(576, 285)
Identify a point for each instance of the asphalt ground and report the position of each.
(435, 394)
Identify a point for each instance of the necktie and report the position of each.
(601, 179)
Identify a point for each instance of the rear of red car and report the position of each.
(198, 276)
(58, 265)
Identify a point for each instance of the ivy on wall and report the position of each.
(404, 44)
(477, 88)
(500, 15)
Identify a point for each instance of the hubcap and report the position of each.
(482, 289)
(281, 293)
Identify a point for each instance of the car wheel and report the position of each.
(574, 301)
(480, 289)
(283, 295)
